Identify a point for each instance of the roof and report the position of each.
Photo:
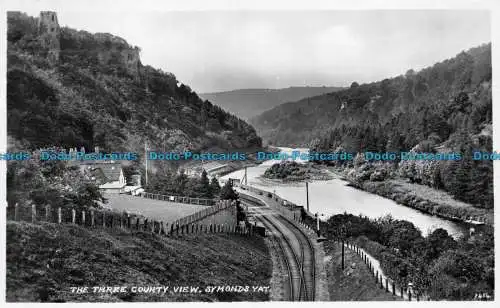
(213, 166)
(98, 175)
(111, 171)
(104, 172)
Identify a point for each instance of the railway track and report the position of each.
(292, 261)
(297, 253)
(308, 257)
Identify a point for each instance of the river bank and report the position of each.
(420, 197)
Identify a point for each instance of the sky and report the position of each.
(224, 50)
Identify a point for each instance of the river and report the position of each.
(335, 197)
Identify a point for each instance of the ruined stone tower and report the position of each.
(50, 33)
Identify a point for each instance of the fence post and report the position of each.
(376, 277)
(393, 288)
(47, 213)
(33, 213)
(104, 219)
(73, 216)
(129, 221)
(16, 211)
(92, 218)
(59, 215)
(162, 228)
(409, 295)
(386, 285)
(402, 293)
(83, 217)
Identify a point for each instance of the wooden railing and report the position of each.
(94, 218)
(179, 199)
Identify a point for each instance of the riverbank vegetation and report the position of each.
(439, 266)
(293, 171)
(390, 181)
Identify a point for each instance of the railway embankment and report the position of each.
(44, 260)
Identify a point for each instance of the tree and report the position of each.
(438, 242)
(354, 85)
(181, 180)
(227, 192)
(215, 187)
(203, 188)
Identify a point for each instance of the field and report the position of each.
(45, 260)
(159, 210)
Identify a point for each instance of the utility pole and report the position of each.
(342, 254)
(317, 223)
(343, 233)
(245, 176)
(146, 160)
(307, 195)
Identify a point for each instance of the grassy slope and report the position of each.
(160, 210)
(354, 283)
(45, 260)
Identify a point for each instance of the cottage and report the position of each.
(109, 176)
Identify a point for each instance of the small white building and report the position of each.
(109, 176)
(115, 178)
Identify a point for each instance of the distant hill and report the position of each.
(246, 103)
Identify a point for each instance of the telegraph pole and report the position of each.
(342, 253)
(317, 223)
(245, 176)
(146, 160)
(307, 195)
(343, 233)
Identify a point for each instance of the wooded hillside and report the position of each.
(99, 94)
(443, 108)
